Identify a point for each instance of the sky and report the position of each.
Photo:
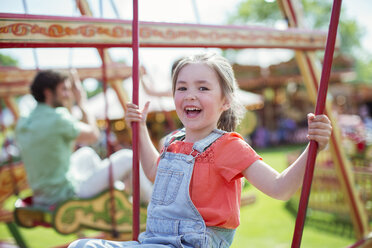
(157, 61)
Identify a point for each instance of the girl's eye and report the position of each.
(181, 88)
(203, 88)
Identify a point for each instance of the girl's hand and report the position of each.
(319, 129)
(134, 114)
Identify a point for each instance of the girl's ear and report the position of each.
(226, 105)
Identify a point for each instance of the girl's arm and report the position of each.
(283, 185)
(148, 152)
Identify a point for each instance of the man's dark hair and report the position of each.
(46, 80)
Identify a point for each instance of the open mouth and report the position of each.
(192, 111)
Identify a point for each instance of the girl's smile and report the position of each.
(192, 112)
(198, 99)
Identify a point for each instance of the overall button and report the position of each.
(189, 159)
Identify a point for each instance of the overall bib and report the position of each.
(172, 218)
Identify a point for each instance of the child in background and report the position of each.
(196, 197)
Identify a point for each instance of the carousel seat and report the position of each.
(75, 214)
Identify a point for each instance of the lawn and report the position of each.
(264, 224)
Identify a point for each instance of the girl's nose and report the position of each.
(190, 96)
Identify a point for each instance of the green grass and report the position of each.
(265, 224)
(38, 237)
(268, 224)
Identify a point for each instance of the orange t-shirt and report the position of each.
(215, 186)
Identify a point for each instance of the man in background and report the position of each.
(47, 137)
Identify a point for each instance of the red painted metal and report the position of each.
(135, 126)
(320, 106)
(337, 152)
(358, 243)
(291, 9)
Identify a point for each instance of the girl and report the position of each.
(196, 197)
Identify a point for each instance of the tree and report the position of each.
(6, 60)
(317, 16)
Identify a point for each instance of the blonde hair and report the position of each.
(230, 118)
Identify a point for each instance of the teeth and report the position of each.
(192, 109)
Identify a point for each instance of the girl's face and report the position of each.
(199, 100)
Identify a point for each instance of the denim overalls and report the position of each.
(172, 218)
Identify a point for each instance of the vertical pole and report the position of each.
(320, 105)
(135, 126)
(307, 63)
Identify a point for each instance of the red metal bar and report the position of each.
(364, 242)
(320, 105)
(135, 127)
(291, 10)
(358, 243)
(338, 155)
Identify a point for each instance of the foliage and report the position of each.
(364, 72)
(256, 11)
(317, 16)
(6, 60)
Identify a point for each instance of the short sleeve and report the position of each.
(233, 155)
(67, 125)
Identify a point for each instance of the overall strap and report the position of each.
(199, 146)
(203, 144)
(176, 135)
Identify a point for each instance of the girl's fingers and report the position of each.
(318, 137)
(134, 114)
(324, 130)
(320, 122)
(310, 116)
(321, 140)
(146, 109)
(131, 106)
(318, 126)
(323, 133)
(318, 118)
(319, 129)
